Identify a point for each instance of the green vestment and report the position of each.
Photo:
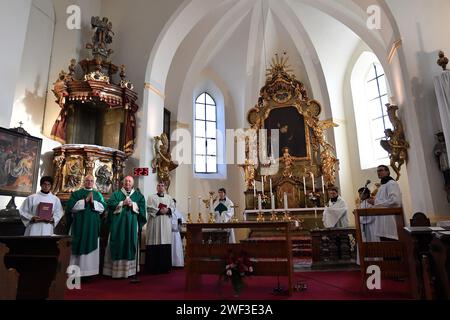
(124, 225)
(85, 223)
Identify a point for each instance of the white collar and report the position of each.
(126, 193)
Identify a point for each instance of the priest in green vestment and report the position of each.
(126, 216)
(83, 214)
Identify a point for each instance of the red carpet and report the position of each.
(339, 285)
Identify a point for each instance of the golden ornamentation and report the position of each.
(162, 164)
(283, 90)
(96, 76)
(395, 144)
(443, 60)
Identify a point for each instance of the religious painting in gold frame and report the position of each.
(293, 131)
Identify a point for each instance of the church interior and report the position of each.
(259, 117)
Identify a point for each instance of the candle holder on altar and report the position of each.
(234, 219)
(299, 223)
(211, 218)
(260, 217)
(200, 219)
(273, 216)
(287, 216)
(189, 219)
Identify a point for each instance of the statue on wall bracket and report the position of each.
(162, 163)
(395, 143)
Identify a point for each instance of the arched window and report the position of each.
(377, 97)
(205, 134)
(370, 91)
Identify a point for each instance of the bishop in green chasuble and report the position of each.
(126, 214)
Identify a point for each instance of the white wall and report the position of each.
(13, 30)
(422, 25)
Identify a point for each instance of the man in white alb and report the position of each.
(388, 196)
(41, 211)
(224, 211)
(177, 243)
(335, 215)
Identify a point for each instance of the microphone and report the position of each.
(367, 183)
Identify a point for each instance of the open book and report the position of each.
(45, 210)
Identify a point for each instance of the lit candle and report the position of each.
(189, 204)
(262, 184)
(259, 202)
(323, 186)
(199, 204)
(304, 185)
(270, 182)
(272, 201)
(285, 201)
(254, 189)
(313, 184)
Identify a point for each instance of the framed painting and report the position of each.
(19, 162)
(293, 133)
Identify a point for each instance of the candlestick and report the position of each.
(189, 204)
(313, 184)
(262, 184)
(323, 186)
(259, 202)
(285, 201)
(304, 186)
(211, 205)
(272, 201)
(254, 189)
(270, 181)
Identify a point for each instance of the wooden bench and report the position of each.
(269, 259)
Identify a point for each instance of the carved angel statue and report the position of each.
(288, 161)
(162, 164)
(395, 143)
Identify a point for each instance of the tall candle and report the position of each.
(211, 205)
(254, 189)
(199, 204)
(285, 201)
(262, 184)
(304, 185)
(323, 186)
(270, 182)
(259, 202)
(272, 201)
(313, 184)
(189, 204)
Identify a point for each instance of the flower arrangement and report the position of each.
(236, 269)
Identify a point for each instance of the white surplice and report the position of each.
(28, 211)
(177, 244)
(367, 228)
(225, 216)
(335, 215)
(388, 196)
(159, 228)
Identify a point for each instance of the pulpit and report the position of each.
(97, 123)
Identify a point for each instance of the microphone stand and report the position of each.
(135, 278)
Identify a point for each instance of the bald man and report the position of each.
(83, 214)
(126, 216)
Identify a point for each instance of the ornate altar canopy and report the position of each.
(304, 158)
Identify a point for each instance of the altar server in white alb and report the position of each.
(335, 215)
(224, 211)
(177, 243)
(158, 256)
(41, 211)
(388, 196)
(367, 223)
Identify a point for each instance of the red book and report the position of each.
(162, 205)
(45, 210)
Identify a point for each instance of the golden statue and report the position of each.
(162, 164)
(288, 161)
(395, 144)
